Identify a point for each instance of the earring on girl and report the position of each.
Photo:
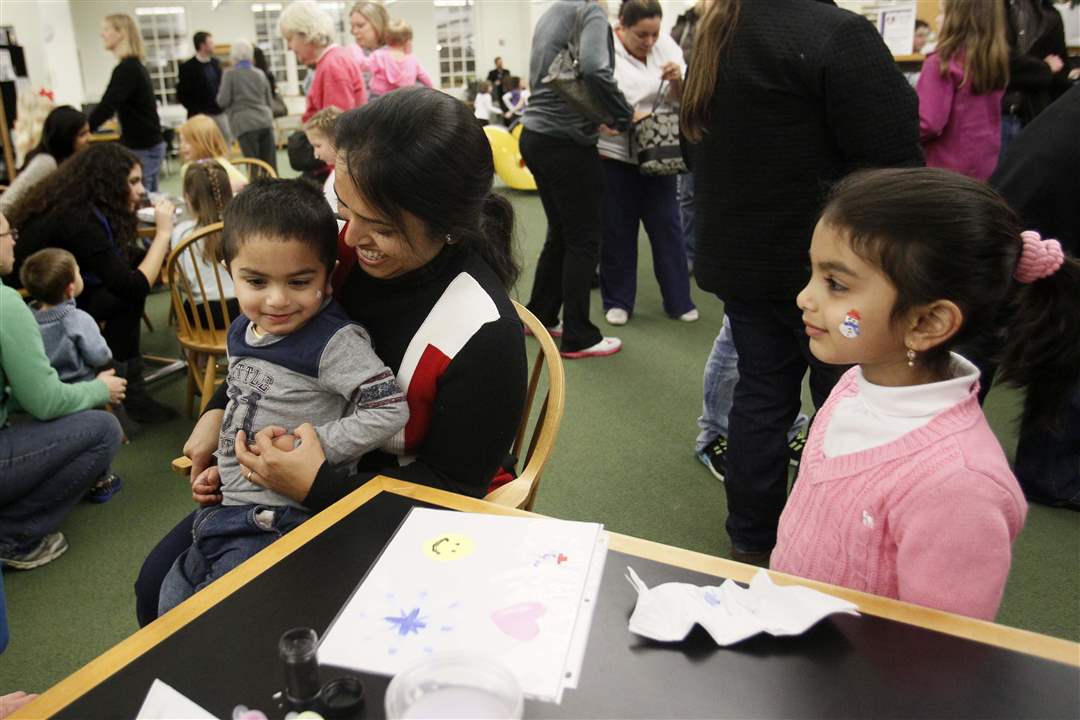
(910, 358)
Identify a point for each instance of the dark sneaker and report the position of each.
(795, 448)
(751, 557)
(714, 457)
(105, 488)
(44, 551)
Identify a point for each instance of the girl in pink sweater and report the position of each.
(903, 490)
(394, 66)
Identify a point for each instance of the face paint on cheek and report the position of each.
(850, 327)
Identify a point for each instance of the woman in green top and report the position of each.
(49, 460)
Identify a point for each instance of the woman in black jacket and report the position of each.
(130, 96)
(782, 98)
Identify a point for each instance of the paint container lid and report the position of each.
(454, 685)
(342, 697)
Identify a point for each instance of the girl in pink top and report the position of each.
(903, 490)
(394, 66)
(960, 89)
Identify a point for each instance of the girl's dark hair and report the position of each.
(937, 235)
(279, 211)
(418, 150)
(96, 177)
(58, 134)
(631, 12)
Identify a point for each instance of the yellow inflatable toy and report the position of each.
(507, 156)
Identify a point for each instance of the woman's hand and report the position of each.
(671, 72)
(116, 384)
(164, 212)
(203, 441)
(288, 472)
(1055, 63)
(206, 487)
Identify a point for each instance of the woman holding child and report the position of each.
(427, 276)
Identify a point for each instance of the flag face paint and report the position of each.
(850, 327)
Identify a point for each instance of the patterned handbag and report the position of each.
(564, 77)
(656, 139)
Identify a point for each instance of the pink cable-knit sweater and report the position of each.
(928, 518)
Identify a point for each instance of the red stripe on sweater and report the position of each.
(421, 395)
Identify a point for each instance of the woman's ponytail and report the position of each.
(1042, 350)
(496, 244)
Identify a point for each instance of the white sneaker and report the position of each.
(606, 346)
(690, 315)
(617, 316)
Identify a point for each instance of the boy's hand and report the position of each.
(206, 487)
(202, 443)
(117, 385)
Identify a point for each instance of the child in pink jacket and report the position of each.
(394, 66)
(903, 490)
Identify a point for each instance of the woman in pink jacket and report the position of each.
(960, 89)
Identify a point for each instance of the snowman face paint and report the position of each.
(850, 327)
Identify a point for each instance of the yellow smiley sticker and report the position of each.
(449, 546)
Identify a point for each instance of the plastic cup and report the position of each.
(454, 685)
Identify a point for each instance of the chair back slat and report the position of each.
(255, 168)
(193, 309)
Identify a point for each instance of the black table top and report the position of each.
(843, 667)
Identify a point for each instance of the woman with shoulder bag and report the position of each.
(648, 70)
(246, 96)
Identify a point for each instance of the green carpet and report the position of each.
(624, 458)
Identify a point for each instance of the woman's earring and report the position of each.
(449, 240)
(910, 358)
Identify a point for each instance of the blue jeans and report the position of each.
(1011, 125)
(721, 374)
(1047, 464)
(222, 537)
(631, 199)
(47, 467)
(151, 159)
(686, 211)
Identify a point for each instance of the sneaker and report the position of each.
(46, 550)
(105, 488)
(606, 346)
(690, 315)
(714, 457)
(751, 557)
(555, 331)
(795, 448)
(617, 316)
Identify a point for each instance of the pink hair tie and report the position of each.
(1038, 258)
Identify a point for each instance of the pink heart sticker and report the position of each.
(519, 621)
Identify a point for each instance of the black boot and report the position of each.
(127, 423)
(139, 405)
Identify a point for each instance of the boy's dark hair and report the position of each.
(281, 210)
(938, 235)
(47, 273)
(199, 38)
(420, 150)
(631, 12)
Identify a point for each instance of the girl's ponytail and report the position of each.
(1042, 350)
(496, 246)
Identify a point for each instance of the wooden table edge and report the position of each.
(126, 651)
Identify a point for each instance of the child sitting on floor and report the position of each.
(394, 66)
(294, 357)
(73, 341)
(903, 490)
(319, 130)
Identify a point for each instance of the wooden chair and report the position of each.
(201, 341)
(521, 491)
(254, 167)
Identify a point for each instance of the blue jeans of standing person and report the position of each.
(259, 144)
(570, 183)
(1047, 463)
(151, 159)
(686, 212)
(774, 355)
(47, 467)
(222, 537)
(1011, 125)
(630, 199)
(721, 374)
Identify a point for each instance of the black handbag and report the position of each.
(278, 107)
(565, 78)
(656, 139)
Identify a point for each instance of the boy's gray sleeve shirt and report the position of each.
(92, 347)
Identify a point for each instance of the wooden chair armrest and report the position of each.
(513, 494)
(182, 465)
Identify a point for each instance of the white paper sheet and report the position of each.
(729, 612)
(165, 703)
(508, 587)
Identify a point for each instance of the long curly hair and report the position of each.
(96, 177)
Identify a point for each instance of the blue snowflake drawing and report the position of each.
(410, 623)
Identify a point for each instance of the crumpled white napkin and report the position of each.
(728, 612)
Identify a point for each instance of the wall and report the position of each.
(46, 32)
